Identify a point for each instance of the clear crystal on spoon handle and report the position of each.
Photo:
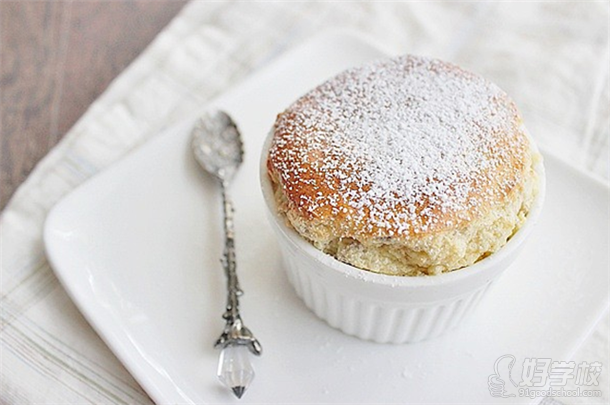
(235, 369)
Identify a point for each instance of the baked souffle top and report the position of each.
(405, 166)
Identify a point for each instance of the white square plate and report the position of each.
(138, 246)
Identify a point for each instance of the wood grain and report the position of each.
(56, 58)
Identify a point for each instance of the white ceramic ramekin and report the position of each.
(386, 308)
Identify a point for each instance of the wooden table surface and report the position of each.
(56, 58)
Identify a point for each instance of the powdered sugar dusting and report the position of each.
(399, 146)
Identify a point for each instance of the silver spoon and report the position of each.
(218, 148)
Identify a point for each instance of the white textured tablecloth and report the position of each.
(553, 58)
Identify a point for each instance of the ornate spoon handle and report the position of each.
(228, 260)
(235, 333)
(234, 368)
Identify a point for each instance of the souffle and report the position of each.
(407, 166)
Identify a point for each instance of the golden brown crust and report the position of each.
(395, 151)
